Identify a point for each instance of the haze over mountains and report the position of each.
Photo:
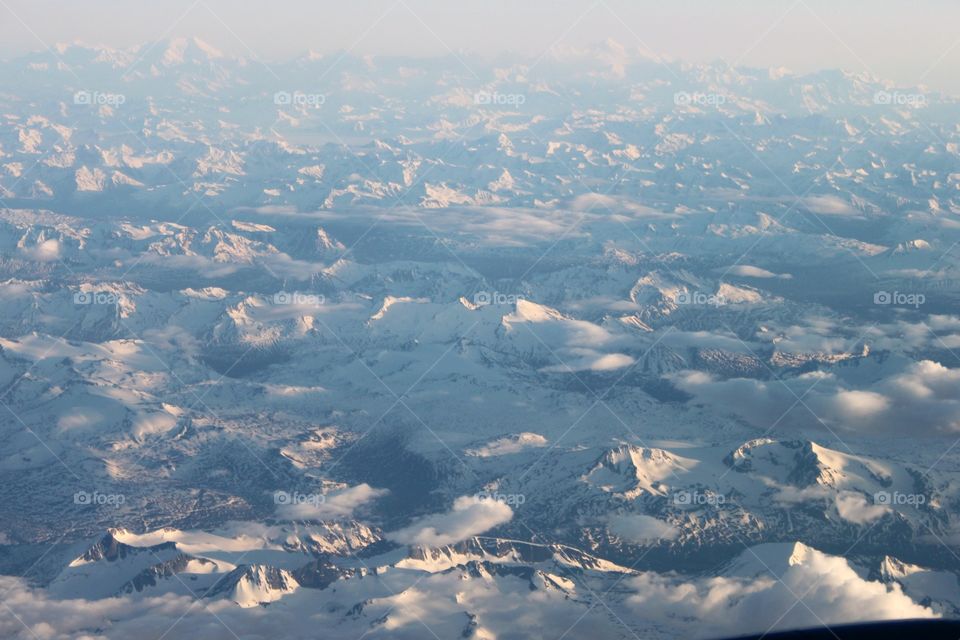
(600, 343)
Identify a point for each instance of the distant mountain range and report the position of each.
(602, 344)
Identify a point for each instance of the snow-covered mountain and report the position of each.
(644, 349)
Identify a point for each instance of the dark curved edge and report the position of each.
(896, 630)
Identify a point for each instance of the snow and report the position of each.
(492, 383)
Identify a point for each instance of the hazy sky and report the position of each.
(911, 42)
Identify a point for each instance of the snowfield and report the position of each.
(615, 359)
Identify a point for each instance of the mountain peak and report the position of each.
(181, 50)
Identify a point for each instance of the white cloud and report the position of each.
(748, 271)
(728, 605)
(641, 529)
(750, 600)
(337, 504)
(610, 362)
(470, 516)
(925, 395)
(46, 251)
(854, 507)
(509, 444)
(759, 402)
(829, 205)
(790, 495)
(589, 360)
(506, 606)
(857, 405)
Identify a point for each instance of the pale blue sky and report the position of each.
(909, 41)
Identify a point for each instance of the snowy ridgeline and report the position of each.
(658, 365)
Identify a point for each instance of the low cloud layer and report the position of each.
(333, 505)
(833, 593)
(750, 599)
(470, 516)
(853, 507)
(924, 395)
(641, 529)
